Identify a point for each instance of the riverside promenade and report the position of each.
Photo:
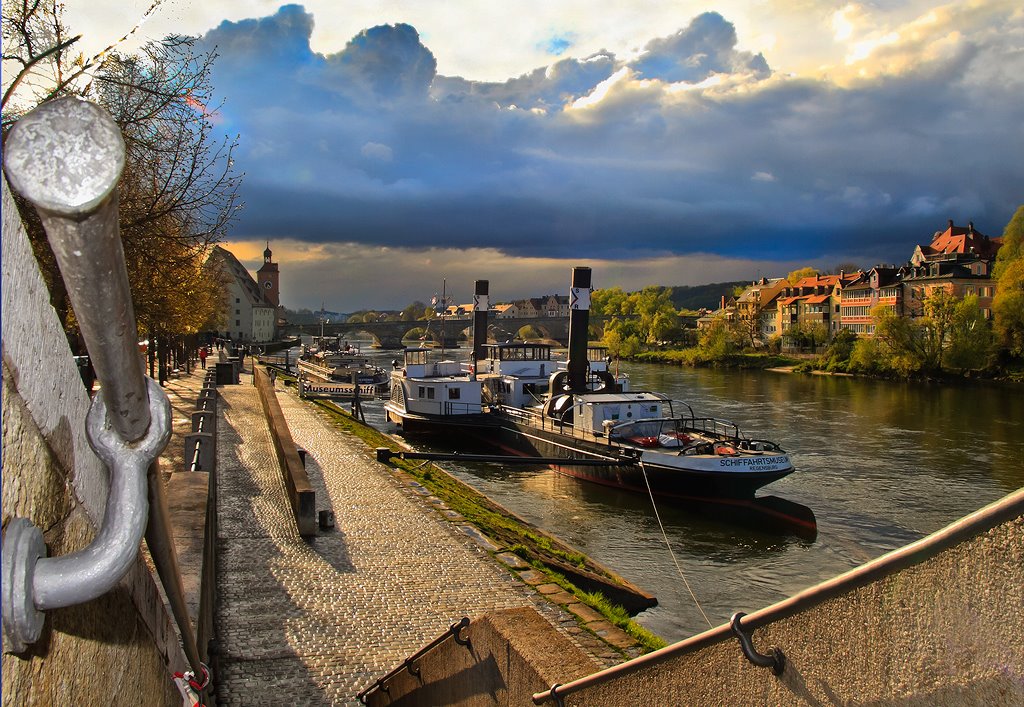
(314, 621)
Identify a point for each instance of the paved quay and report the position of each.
(314, 621)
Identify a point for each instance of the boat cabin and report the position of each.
(516, 374)
(434, 388)
(596, 413)
(517, 359)
(598, 358)
(418, 366)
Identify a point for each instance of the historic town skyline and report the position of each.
(389, 146)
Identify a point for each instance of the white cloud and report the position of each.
(377, 151)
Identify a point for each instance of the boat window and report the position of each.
(454, 393)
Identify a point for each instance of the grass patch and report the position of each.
(618, 616)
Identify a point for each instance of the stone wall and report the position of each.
(121, 647)
(936, 623)
(948, 631)
(510, 655)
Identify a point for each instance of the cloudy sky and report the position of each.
(389, 144)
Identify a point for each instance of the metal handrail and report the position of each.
(66, 157)
(454, 631)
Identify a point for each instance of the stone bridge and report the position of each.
(392, 335)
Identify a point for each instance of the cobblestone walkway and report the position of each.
(314, 621)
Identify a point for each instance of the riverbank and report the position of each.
(569, 577)
(804, 363)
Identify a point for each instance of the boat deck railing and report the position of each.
(537, 419)
(442, 407)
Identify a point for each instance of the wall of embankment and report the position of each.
(937, 622)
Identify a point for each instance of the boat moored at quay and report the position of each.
(340, 372)
(580, 418)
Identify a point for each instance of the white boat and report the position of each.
(433, 396)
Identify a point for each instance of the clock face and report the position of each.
(267, 284)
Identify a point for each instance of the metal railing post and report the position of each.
(66, 157)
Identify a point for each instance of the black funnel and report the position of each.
(579, 323)
(480, 307)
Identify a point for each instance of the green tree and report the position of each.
(798, 275)
(939, 309)
(636, 319)
(865, 356)
(1008, 303)
(840, 349)
(900, 341)
(178, 191)
(969, 336)
(720, 338)
(414, 312)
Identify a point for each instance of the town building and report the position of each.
(880, 286)
(250, 307)
(506, 311)
(757, 308)
(959, 260)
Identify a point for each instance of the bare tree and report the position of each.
(179, 190)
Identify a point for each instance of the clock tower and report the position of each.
(267, 278)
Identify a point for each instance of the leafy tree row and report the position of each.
(636, 319)
(952, 335)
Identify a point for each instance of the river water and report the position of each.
(879, 463)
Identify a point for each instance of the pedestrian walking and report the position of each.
(202, 356)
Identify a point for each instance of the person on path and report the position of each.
(202, 356)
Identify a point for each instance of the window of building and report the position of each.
(238, 322)
(238, 311)
(237, 300)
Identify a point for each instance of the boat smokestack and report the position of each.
(579, 323)
(480, 307)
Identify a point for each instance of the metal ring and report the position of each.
(554, 694)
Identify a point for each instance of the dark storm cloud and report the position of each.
(614, 159)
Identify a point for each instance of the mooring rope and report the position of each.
(664, 535)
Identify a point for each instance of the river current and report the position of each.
(880, 464)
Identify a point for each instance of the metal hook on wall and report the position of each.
(456, 629)
(66, 157)
(776, 661)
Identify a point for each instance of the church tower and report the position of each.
(267, 277)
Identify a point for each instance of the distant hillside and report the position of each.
(703, 296)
